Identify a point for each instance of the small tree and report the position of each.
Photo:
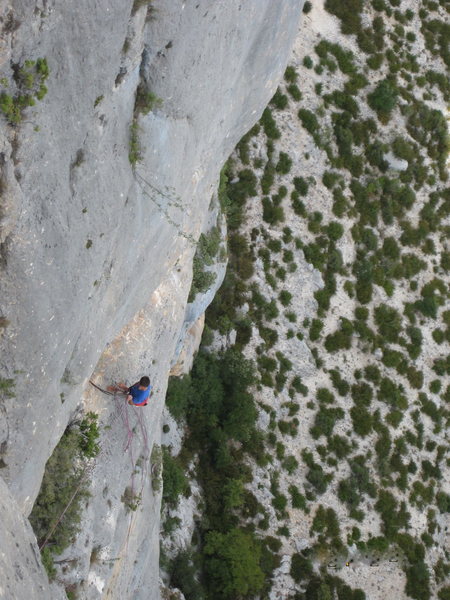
(232, 564)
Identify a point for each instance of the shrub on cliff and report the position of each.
(284, 163)
(64, 488)
(383, 99)
(177, 396)
(232, 564)
(174, 479)
(348, 12)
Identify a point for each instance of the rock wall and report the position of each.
(95, 255)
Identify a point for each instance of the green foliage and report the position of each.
(7, 388)
(290, 74)
(348, 13)
(232, 564)
(297, 499)
(443, 502)
(64, 488)
(174, 479)
(146, 101)
(339, 445)
(294, 91)
(89, 434)
(207, 250)
(279, 100)
(29, 79)
(272, 213)
(177, 396)
(233, 196)
(183, 575)
(285, 297)
(284, 163)
(201, 280)
(315, 476)
(134, 144)
(325, 421)
(301, 185)
(269, 125)
(339, 340)
(389, 322)
(393, 519)
(309, 120)
(384, 98)
(315, 329)
(47, 561)
(301, 567)
(131, 499)
(335, 231)
(344, 57)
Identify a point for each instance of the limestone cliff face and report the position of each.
(96, 256)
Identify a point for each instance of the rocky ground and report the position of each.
(349, 235)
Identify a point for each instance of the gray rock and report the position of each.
(398, 164)
(21, 572)
(95, 256)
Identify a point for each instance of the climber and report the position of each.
(137, 394)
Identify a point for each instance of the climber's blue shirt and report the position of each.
(140, 397)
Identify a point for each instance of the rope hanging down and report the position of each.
(122, 408)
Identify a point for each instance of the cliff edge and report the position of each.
(106, 179)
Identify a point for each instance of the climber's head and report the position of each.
(144, 382)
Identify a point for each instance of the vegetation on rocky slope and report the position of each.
(350, 451)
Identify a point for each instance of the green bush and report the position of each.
(29, 78)
(335, 231)
(201, 280)
(389, 322)
(325, 421)
(284, 163)
(134, 144)
(178, 396)
(290, 74)
(384, 98)
(146, 101)
(64, 488)
(330, 178)
(89, 435)
(348, 13)
(315, 476)
(269, 125)
(362, 420)
(294, 91)
(285, 297)
(324, 396)
(309, 120)
(183, 575)
(301, 185)
(301, 568)
(315, 329)
(233, 564)
(339, 446)
(272, 213)
(279, 100)
(339, 340)
(174, 479)
(297, 499)
(338, 383)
